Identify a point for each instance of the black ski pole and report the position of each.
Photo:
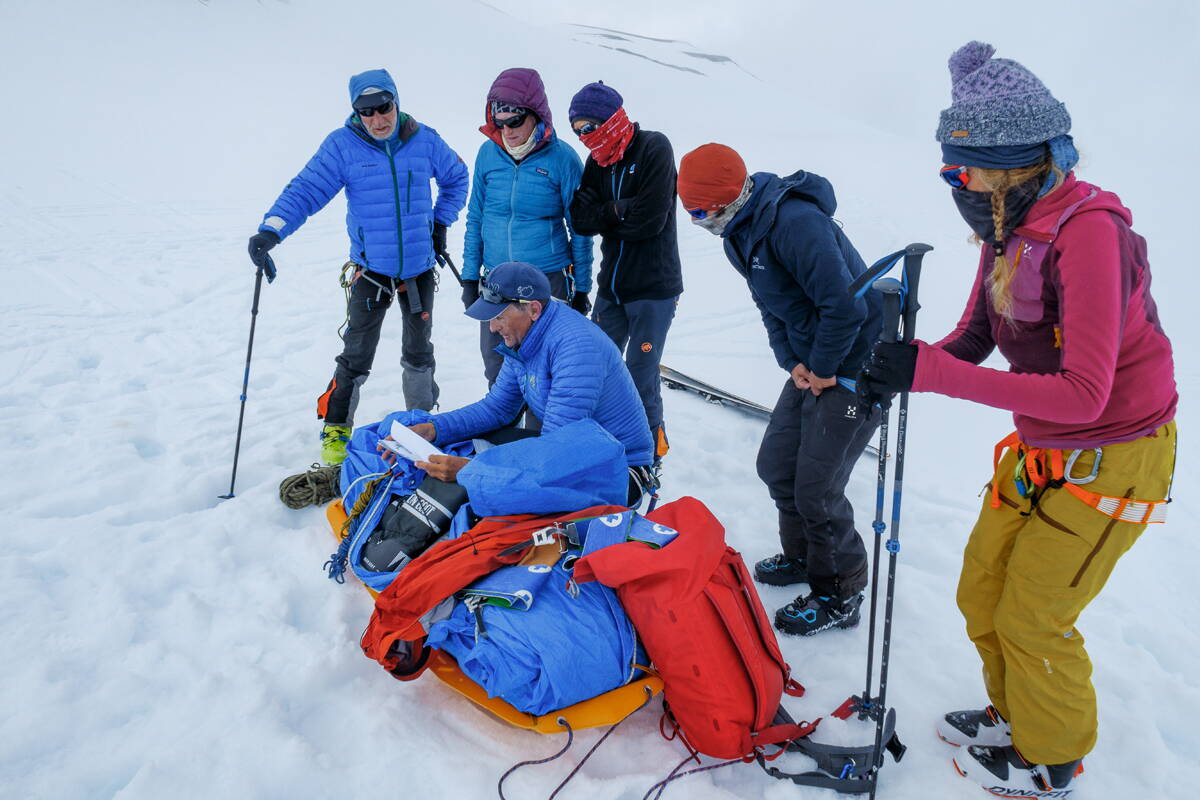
(888, 333)
(444, 260)
(269, 269)
(908, 294)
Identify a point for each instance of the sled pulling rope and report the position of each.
(562, 721)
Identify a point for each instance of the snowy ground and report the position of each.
(159, 642)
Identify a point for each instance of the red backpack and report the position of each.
(695, 608)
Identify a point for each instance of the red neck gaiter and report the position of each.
(608, 142)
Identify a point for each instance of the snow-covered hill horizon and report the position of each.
(161, 642)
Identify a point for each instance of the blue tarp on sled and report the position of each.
(532, 636)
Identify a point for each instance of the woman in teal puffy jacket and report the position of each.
(524, 180)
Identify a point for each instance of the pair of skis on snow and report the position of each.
(674, 379)
(855, 770)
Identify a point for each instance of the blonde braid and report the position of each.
(1001, 180)
(1000, 281)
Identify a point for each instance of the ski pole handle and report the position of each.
(891, 290)
(912, 279)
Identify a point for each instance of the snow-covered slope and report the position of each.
(157, 641)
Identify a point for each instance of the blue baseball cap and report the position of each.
(510, 282)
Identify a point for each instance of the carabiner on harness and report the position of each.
(1023, 488)
(1071, 467)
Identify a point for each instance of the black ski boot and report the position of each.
(811, 614)
(1004, 772)
(978, 726)
(779, 570)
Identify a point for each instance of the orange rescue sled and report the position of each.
(606, 709)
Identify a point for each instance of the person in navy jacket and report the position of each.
(781, 238)
(385, 160)
(524, 179)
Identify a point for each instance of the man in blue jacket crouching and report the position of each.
(556, 362)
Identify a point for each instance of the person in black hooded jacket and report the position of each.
(627, 197)
(781, 237)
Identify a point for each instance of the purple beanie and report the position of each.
(595, 101)
(998, 102)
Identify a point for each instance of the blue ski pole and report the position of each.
(269, 269)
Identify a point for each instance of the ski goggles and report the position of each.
(492, 296)
(699, 213)
(586, 128)
(511, 122)
(956, 176)
(370, 111)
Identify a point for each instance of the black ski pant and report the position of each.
(370, 296)
(560, 287)
(807, 453)
(639, 330)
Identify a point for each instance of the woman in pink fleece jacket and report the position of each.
(1063, 291)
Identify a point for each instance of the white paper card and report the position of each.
(407, 444)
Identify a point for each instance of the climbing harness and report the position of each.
(1041, 468)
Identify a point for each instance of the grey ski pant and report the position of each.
(369, 301)
(807, 453)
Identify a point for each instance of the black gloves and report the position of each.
(889, 369)
(470, 292)
(581, 303)
(439, 239)
(260, 244)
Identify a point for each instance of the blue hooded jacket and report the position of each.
(799, 265)
(520, 211)
(566, 369)
(389, 204)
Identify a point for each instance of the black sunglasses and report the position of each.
(511, 122)
(370, 111)
(586, 128)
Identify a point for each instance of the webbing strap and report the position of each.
(1046, 465)
(414, 297)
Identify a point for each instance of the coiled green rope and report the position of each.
(315, 487)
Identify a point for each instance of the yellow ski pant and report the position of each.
(1028, 573)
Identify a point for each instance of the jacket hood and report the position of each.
(770, 189)
(379, 78)
(519, 86)
(1048, 214)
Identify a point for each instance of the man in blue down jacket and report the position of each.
(555, 361)
(522, 186)
(384, 159)
(781, 237)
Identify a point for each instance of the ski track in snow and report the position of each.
(159, 641)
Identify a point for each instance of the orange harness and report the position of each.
(1044, 468)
